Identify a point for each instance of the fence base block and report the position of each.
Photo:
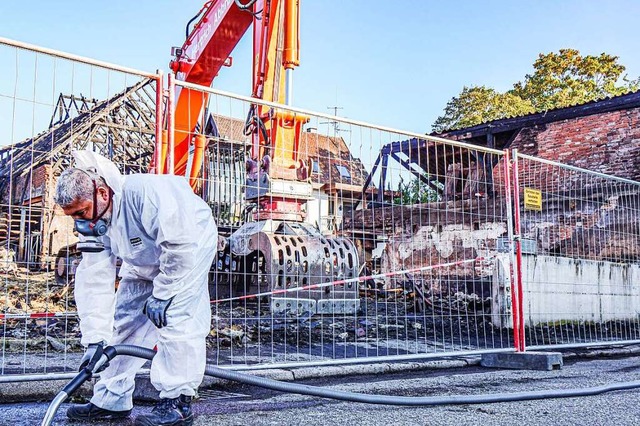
(524, 360)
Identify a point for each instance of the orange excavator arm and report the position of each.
(276, 183)
(277, 38)
(221, 25)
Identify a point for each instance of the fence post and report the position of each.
(171, 123)
(515, 317)
(520, 346)
(157, 156)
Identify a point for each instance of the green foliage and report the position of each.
(566, 78)
(559, 79)
(415, 192)
(475, 105)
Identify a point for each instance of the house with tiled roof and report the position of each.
(337, 177)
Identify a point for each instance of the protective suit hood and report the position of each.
(86, 159)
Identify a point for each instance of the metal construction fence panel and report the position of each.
(392, 254)
(50, 104)
(580, 254)
(342, 241)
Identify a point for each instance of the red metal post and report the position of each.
(520, 347)
(171, 123)
(515, 312)
(159, 122)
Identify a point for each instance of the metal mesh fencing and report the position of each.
(50, 104)
(343, 242)
(580, 240)
(359, 243)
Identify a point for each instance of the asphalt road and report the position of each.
(243, 405)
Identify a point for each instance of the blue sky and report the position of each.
(392, 63)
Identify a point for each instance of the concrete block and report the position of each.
(524, 360)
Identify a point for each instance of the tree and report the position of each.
(415, 192)
(566, 78)
(475, 105)
(559, 80)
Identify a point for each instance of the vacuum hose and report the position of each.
(248, 379)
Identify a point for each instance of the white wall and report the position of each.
(317, 211)
(566, 289)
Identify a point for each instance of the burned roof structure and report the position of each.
(602, 136)
(122, 128)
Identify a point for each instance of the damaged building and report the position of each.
(576, 214)
(600, 136)
(121, 127)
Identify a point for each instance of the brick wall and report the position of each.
(583, 215)
(607, 143)
(29, 186)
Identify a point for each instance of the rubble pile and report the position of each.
(28, 292)
(26, 298)
(390, 322)
(387, 324)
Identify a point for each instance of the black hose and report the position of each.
(248, 129)
(187, 31)
(111, 351)
(387, 399)
(246, 5)
(85, 374)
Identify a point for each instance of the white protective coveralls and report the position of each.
(166, 238)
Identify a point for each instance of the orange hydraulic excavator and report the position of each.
(277, 250)
(275, 133)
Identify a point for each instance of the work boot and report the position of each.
(168, 412)
(93, 412)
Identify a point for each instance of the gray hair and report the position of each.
(76, 184)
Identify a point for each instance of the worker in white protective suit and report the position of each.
(166, 238)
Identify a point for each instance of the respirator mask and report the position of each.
(95, 227)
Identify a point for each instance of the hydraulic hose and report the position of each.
(297, 388)
(85, 374)
(246, 5)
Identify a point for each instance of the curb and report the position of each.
(45, 390)
(146, 392)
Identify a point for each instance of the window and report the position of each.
(344, 172)
(315, 166)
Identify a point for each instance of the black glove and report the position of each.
(91, 356)
(156, 310)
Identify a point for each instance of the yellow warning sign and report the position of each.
(532, 199)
